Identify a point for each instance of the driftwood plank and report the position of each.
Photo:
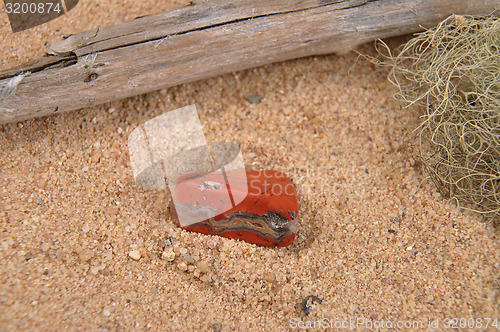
(205, 40)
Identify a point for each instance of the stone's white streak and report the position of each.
(207, 185)
(214, 185)
(7, 89)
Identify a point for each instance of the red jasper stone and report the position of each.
(257, 207)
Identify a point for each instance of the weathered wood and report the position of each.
(205, 40)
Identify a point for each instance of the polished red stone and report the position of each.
(257, 207)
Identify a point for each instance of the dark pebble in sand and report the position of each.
(217, 327)
(305, 303)
(255, 98)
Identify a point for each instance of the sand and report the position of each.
(84, 248)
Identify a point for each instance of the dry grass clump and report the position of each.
(452, 73)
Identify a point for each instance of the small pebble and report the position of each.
(188, 259)
(86, 255)
(106, 313)
(250, 155)
(168, 255)
(94, 270)
(269, 276)
(217, 327)
(182, 266)
(308, 301)
(350, 228)
(105, 272)
(255, 98)
(167, 242)
(111, 210)
(135, 255)
(205, 278)
(212, 242)
(28, 256)
(45, 246)
(203, 266)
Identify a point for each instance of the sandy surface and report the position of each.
(375, 240)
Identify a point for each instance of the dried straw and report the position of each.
(452, 73)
